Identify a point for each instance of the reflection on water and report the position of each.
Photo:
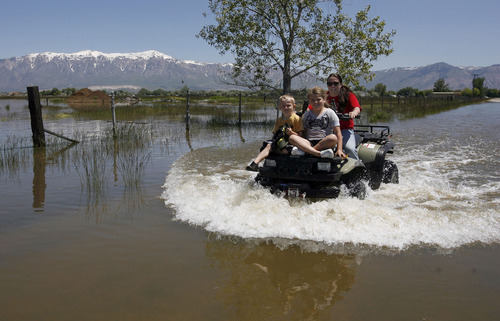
(39, 184)
(264, 282)
(188, 136)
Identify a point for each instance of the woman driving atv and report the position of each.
(343, 101)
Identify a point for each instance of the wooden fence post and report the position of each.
(113, 113)
(239, 112)
(187, 106)
(39, 183)
(36, 116)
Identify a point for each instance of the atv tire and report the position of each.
(390, 174)
(357, 189)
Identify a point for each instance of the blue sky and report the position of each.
(461, 33)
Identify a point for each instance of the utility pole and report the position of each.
(473, 81)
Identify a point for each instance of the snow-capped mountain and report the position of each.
(145, 55)
(153, 69)
(149, 69)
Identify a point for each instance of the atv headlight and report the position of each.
(324, 166)
(270, 162)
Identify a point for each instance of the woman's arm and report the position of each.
(338, 133)
(356, 111)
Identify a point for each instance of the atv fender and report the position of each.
(350, 164)
(373, 155)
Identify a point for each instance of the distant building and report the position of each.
(16, 94)
(448, 95)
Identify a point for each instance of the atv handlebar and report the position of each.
(339, 115)
(346, 116)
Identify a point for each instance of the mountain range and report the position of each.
(153, 70)
(457, 78)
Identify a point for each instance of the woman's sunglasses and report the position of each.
(335, 83)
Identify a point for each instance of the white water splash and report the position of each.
(425, 209)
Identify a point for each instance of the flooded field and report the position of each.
(162, 222)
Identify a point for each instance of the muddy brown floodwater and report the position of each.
(172, 227)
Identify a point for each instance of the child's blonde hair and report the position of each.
(284, 98)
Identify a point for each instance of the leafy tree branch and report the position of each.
(284, 39)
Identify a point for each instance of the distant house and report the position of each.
(16, 94)
(448, 95)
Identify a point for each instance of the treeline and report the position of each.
(380, 90)
(265, 94)
(200, 93)
(478, 90)
(58, 93)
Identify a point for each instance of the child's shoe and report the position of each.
(253, 167)
(297, 152)
(327, 153)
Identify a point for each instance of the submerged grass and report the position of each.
(125, 153)
(131, 167)
(132, 145)
(127, 147)
(15, 156)
(91, 166)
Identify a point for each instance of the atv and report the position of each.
(314, 177)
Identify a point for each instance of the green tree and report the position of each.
(467, 92)
(68, 91)
(478, 83)
(293, 38)
(159, 92)
(184, 90)
(407, 91)
(426, 92)
(144, 92)
(381, 89)
(55, 92)
(493, 92)
(440, 86)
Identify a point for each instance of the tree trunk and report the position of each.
(287, 80)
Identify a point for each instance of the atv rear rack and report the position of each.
(374, 133)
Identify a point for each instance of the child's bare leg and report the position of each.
(263, 154)
(303, 144)
(329, 141)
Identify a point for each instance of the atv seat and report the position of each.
(358, 138)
